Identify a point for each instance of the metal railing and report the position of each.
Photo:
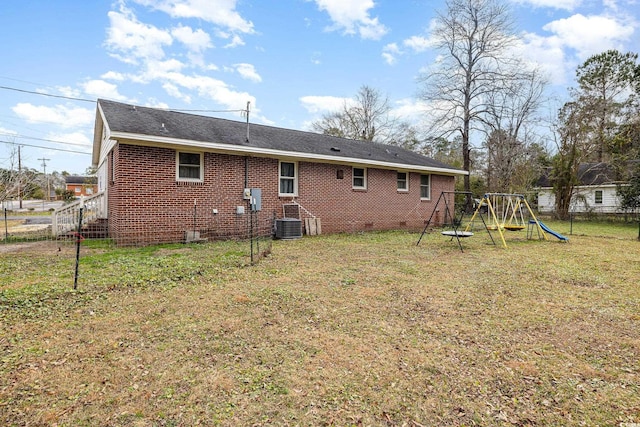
(65, 219)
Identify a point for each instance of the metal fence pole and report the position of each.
(78, 241)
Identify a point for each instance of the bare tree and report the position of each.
(10, 179)
(474, 37)
(573, 147)
(509, 121)
(368, 117)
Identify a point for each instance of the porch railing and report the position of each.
(65, 219)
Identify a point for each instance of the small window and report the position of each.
(89, 190)
(288, 179)
(189, 166)
(403, 182)
(78, 190)
(425, 187)
(359, 178)
(598, 195)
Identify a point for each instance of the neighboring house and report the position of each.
(595, 193)
(81, 185)
(156, 167)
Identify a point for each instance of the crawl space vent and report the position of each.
(288, 228)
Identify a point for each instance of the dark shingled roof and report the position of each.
(591, 174)
(125, 118)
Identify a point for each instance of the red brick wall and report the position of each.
(147, 205)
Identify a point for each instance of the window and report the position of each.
(288, 179)
(403, 181)
(359, 178)
(425, 186)
(190, 166)
(598, 197)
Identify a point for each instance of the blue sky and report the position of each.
(292, 59)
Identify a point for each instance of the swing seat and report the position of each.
(454, 233)
(512, 227)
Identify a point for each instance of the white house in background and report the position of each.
(596, 192)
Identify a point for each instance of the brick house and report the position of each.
(81, 185)
(164, 173)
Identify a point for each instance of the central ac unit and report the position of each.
(288, 228)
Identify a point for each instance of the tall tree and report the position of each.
(368, 117)
(475, 38)
(605, 89)
(573, 147)
(509, 121)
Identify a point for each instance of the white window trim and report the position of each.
(353, 178)
(429, 196)
(406, 180)
(178, 178)
(595, 197)
(295, 179)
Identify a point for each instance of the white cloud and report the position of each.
(132, 40)
(571, 41)
(211, 88)
(352, 16)
(147, 48)
(390, 53)
(236, 41)
(411, 110)
(219, 12)
(555, 4)
(102, 89)
(548, 53)
(69, 91)
(315, 58)
(588, 35)
(195, 41)
(66, 117)
(114, 75)
(248, 71)
(74, 138)
(321, 104)
(418, 44)
(175, 92)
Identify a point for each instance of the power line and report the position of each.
(46, 148)
(71, 98)
(17, 135)
(46, 94)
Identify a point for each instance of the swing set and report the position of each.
(451, 220)
(504, 211)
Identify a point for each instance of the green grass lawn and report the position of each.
(363, 329)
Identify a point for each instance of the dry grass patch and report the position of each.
(333, 330)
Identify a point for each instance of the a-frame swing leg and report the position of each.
(424, 230)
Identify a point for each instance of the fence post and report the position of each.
(78, 241)
(6, 227)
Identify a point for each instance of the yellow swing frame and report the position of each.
(511, 205)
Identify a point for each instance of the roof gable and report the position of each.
(138, 122)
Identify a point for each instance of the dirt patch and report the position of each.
(33, 247)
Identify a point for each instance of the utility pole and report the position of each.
(44, 168)
(19, 178)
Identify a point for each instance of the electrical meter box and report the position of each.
(256, 199)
